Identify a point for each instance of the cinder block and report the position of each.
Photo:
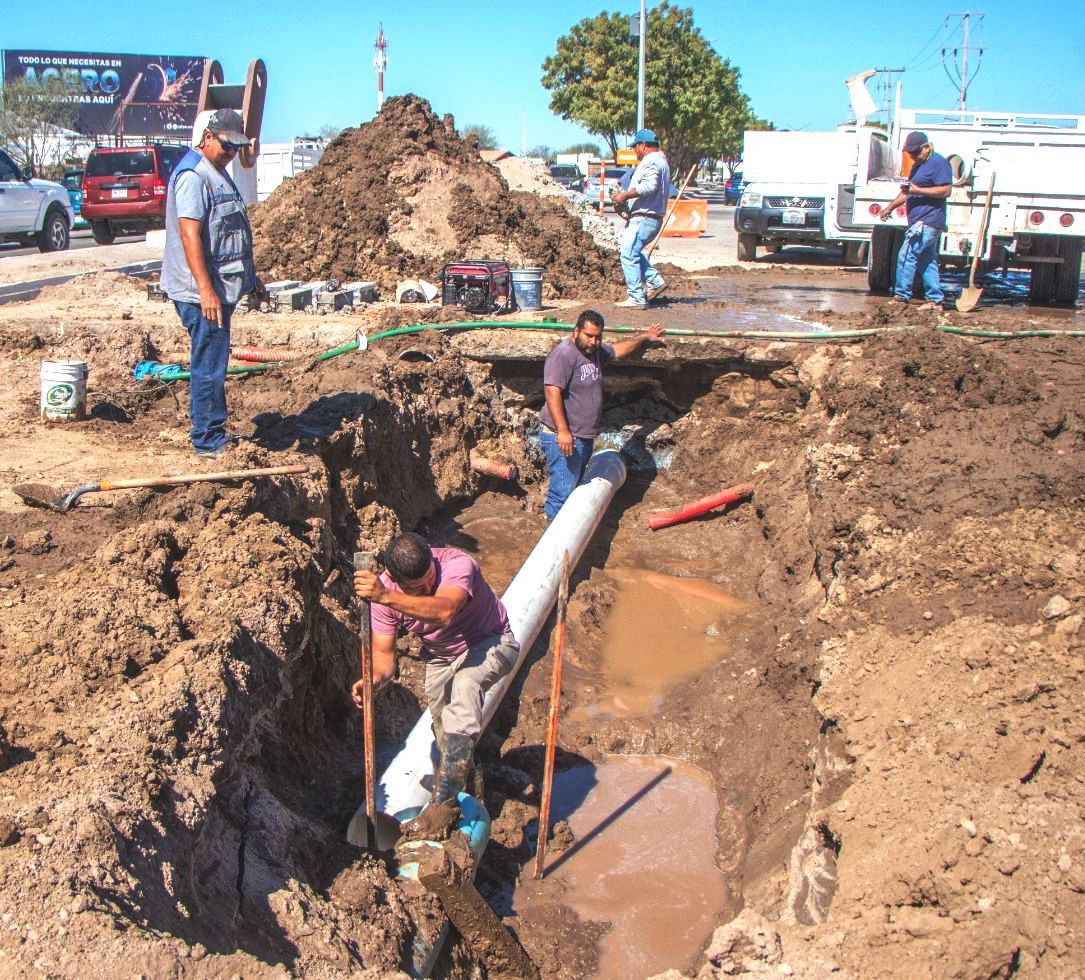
(361, 292)
(282, 284)
(296, 298)
(336, 299)
(154, 291)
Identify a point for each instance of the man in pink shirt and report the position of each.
(439, 595)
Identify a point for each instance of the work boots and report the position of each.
(436, 820)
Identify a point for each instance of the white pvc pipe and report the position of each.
(528, 601)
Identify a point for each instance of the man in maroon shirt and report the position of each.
(439, 595)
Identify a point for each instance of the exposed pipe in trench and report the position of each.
(400, 792)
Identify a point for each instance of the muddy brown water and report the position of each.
(643, 860)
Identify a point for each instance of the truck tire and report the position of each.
(747, 248)
(1068, 274)
(102, 233)
(885, 245)
(1041, 283)
(55, 236)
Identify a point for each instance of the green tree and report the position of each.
(592, 148)
(543, 151)
(36, 122)
(483, 134)
(692, 96)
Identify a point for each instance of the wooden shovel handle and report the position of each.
(670, 210)
(983, 230)
(364, 561)
(171, 481)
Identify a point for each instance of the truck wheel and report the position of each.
(54, 235)
(1041, 283)
(1068, 274)
(885, 245)
(747, 248)
(102, 233)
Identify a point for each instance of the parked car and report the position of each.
(73, 184)
(32, 211)
(732, 190)
(611, 178)
(568, 175)
(124, 188)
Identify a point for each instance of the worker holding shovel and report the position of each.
(439, 595)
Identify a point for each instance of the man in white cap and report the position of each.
(924, 195)
(648, 189)
(207, 268)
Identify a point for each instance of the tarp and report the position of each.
(118, 94)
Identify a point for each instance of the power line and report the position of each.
(960, 58)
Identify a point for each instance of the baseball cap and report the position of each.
(914, 141)
(645, 136)
(228, 124)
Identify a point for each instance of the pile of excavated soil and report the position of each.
(403, 195)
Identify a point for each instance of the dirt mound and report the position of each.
(402, 196)
(94, 285)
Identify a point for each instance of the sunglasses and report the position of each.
(226, 144)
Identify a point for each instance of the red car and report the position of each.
(124, 188)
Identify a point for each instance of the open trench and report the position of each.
(192, 693)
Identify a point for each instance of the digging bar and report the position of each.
(358, 832)
(41, 496)
(970, 295)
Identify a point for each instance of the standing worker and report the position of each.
(439, 594)
(573, 387)
(929, 184)
(207, 268)
(648, 189)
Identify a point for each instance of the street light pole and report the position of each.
(640, 68)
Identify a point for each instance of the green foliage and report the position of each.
(483, 134)
(692, 96)
(544, 152)
(592, 148)
(35, 121)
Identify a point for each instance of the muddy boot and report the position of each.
(435, 822)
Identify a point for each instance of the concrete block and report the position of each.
(296, 298)
(154, 291)
(278, 287)
(361, 292)
(335, 300)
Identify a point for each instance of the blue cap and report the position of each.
(914, 141)
(645, 136)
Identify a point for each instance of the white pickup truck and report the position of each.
(1036, 165)
(33, 212)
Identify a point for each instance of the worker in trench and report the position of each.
(439, 595)
(573, 388)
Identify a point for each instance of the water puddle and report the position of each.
(662, 630)
(643, 860)
(499, 542)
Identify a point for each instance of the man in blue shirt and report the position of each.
(924, 196)
(647, 191)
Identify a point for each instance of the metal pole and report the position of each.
(964, 64)
(640, 68)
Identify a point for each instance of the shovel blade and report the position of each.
(40, 495)
(969, 299)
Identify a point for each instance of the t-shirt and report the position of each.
(581, 382)
(932, 172)
(651, 181)
(482, 615)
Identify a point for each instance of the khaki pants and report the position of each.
(455, 688)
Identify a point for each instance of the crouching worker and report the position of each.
(439, 595)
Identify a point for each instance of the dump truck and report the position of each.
(1035, 165)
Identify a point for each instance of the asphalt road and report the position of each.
(81, 238)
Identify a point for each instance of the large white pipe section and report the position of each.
(528, 600)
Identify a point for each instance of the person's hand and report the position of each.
(565, 443)
(655, 332)
(210, 305)
(356, 694)
(367, 585)
(884, 213)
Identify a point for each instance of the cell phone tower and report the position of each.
(380, 62)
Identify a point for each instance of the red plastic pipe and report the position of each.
(262, 355)
(698, 507)
(491, 467)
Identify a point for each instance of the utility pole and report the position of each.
(380, 62)
(962, 79)
(885, 87)
(640, 68)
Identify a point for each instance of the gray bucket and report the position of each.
(527, 288)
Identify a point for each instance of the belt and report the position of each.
(646, 214)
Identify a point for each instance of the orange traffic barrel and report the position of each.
(689, 219)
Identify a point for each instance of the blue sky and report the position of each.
(482, 60)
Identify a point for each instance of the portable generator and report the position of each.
(478, 285)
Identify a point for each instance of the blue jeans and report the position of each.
(919, 251)
(210, 354)
(636, 268)
(565, 471)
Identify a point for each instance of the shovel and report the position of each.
(358, 831)
(970, 295)
(40, 495)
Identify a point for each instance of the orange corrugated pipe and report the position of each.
(262, 355)
(698, 507)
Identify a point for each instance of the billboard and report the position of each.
(118, 94)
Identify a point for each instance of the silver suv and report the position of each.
(33, 212)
